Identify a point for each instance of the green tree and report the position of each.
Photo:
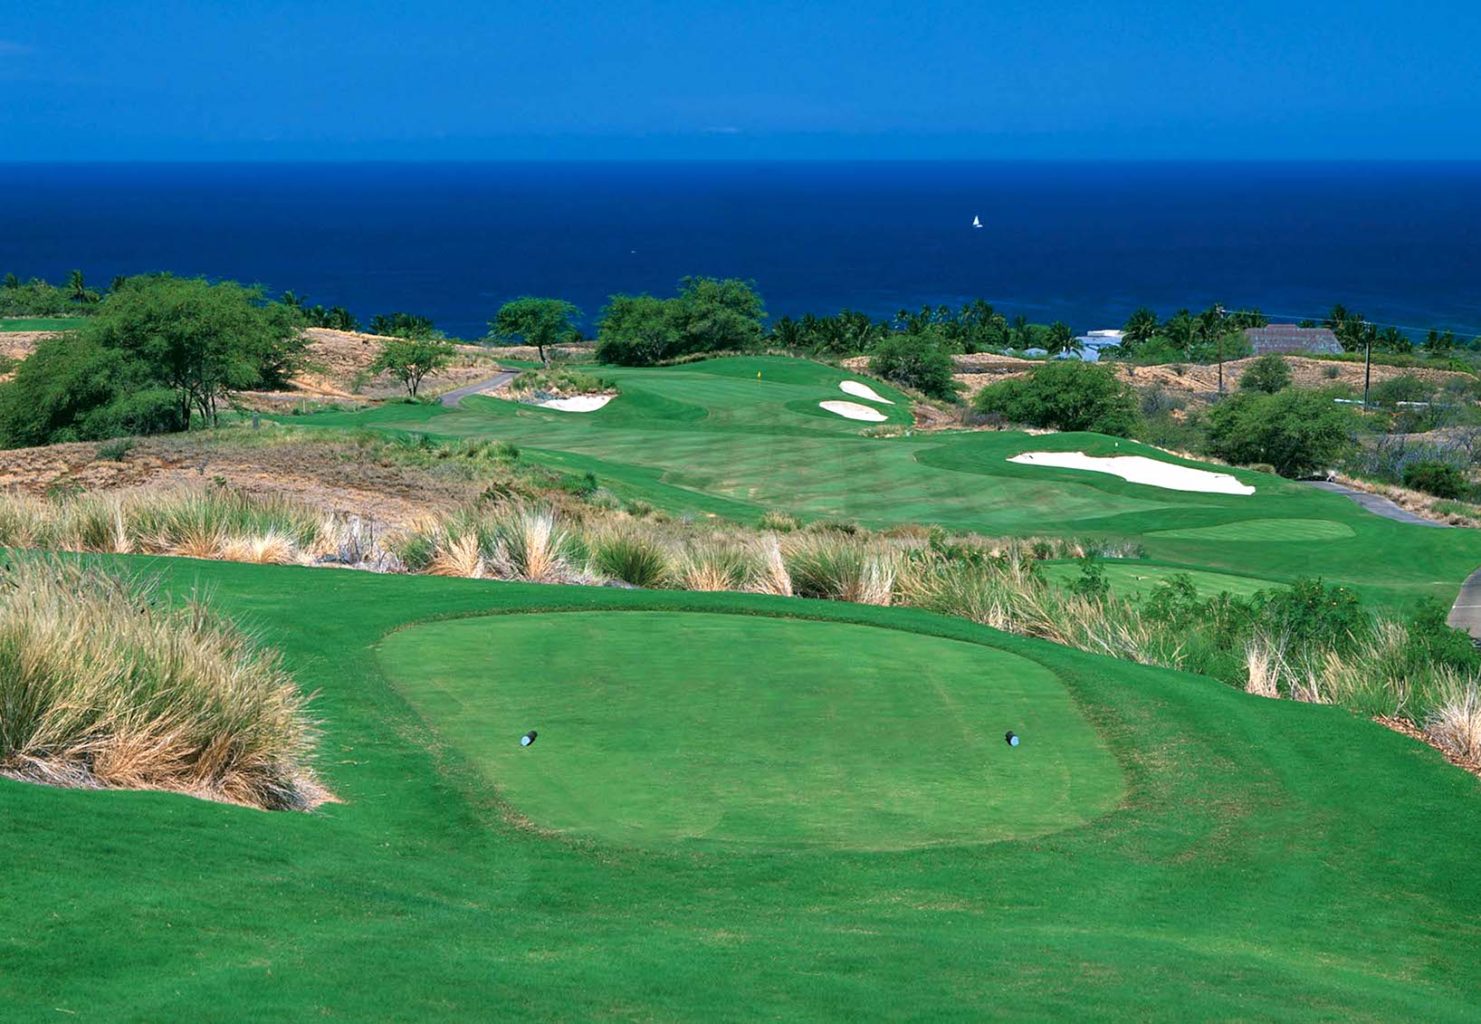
(73, 389)
(1065, 395)
(78, 290)
(915, 361)
(198, 339)
(1060, 339)
(636, 330)
(1140, 327)
(1297, 432)
(538, 322)
(708, 315)
(1270, 373)
(1438, 478)
(409, 360)
(403, 325)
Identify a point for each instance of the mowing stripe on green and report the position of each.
(1265, 531)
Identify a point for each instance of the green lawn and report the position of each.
(654, 731)
(41, 323)
(1266, 859)
(714, 438)
(1137, 579)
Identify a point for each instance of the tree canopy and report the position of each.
(1065, 395)
(915, 361)
(1270, 373)
(538, 322)
(410, 360)
(158, 352)
(708, 315)
(1297, 432)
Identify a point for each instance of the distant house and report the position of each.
(1091, 343)
(1290, 340)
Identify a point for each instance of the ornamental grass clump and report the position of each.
(103, 684)
(630, 556)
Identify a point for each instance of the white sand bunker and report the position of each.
(581, 403)
(1139, 469)
(859, 389)
(854, 411)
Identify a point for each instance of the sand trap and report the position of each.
(859, 389)
(854, 411)
(1139, 469)
(581, 403)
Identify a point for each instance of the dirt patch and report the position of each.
(1409, 729)
(341, 478)
(339, 367)
(1305, 373)
(582, 353)
(20, 344)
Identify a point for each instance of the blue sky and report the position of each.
(335, 79)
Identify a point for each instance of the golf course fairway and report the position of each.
(657, 728)
(738, 437)
(1266, 860)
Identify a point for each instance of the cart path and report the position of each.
(1377, 504)
(479, 387)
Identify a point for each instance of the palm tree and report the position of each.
(1141, 326)
(78, 287)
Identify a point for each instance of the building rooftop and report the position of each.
(1288, 339)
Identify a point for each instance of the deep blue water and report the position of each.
(1085, 243)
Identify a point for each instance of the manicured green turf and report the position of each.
(1265, 531)
(712, 438)
(1137, 579)
(1269, 860)
(41, 323)
(654, 729)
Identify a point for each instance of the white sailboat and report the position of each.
(976, 222)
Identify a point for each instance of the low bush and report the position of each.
(104, 684)
(1438, 478)
(915, 361)
(1065, 395)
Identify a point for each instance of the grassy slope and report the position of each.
(1271, 859)
(658, 728)
(711, 437)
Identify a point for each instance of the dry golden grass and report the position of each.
(103, 685)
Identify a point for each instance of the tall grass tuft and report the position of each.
(528, 543)
(836, 567)
(716, 564)
(104, 685)
(632, 557)
(1454, 722)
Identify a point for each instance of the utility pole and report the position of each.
(1367, 360)
(1219, 312)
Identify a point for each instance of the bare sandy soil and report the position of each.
(339, 477)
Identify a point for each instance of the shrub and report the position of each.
(779, 522)
(1268, 374)
(114, 451)
(104, 684)
(1438, 478)
(1297, 432)
(915, 361)
(1405, 388)
(1065, 395)
(631, 558)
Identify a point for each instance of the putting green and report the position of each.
(1265, 531)
(656, 727)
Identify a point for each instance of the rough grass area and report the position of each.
(103, 684)
(831, 735)
(1138, 579)
(1269, 860)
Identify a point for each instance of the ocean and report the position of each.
(1081, 242)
